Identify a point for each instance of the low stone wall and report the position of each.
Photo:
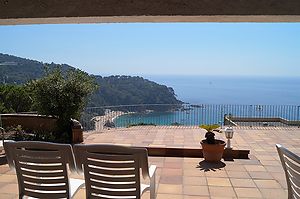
(230, 120)
(40, 123)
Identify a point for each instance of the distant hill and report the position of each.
(16, 70)
(117, 90)
(114, 90)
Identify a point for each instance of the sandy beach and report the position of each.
(109, 116)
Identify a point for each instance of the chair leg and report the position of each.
(152, 187)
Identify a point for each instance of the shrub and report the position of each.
(63, 95)
(14, 99)
(17, 133)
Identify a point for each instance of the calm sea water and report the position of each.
(256, 91)
(233, 90)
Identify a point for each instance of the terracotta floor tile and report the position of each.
(171, 159)
(278, 169)
(248, 192)
(80, 194)
(9, 188)
(278, 176)
(169, 188)
(254, 168)
(242, 182)
(270, 162)
(265, 157)
(171, 180)
(189, 180)
(8, 178)
(238, 174)
(173, 165)
(247, 161)
(195, 197)
(260, 175)
(282, 183)
(171, 172)
(234, 167)
(267, 184)
(193, 172)
(221, 191)
(4, 169)
(11, 172)
(192, 161)
(146, 195)
(218, 182)
(217, 173)
(8, 196)
(169, 196)
(195, 190)
(274, 193)
(190, 165)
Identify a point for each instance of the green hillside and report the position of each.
(113, 90)
(16, 70)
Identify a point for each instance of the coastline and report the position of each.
(109, 116)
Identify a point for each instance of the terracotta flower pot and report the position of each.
(213, 152)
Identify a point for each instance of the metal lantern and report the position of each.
(229, 134)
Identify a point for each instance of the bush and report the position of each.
(17, 133)
(62, 95)
(14, 99)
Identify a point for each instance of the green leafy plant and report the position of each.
(62, 95)
(14, 99)
(17, 133)
(210, 135)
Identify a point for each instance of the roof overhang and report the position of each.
(109, 11)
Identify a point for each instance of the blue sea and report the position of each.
(224, 95)
(233, 90)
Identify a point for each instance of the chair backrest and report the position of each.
(111, 171)
(41, 168)
(291, 165)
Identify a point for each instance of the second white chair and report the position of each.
(114, 171)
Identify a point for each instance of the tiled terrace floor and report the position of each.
(261, 176)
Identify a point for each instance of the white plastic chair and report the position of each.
(41, 169)
(291, 165)
(114, 171)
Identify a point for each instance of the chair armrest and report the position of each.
(152, 170)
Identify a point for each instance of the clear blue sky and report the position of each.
(148, 49)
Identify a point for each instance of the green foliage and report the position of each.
(62, 95)
(209, 127)
(16, 133)
(122, 90)
(14, 99)
(210, 136)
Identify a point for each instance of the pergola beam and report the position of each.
(82, 11)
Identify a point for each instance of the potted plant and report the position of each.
(212, 148)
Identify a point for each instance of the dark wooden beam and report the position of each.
(10, 9)
(103, 11)
(229, 154)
